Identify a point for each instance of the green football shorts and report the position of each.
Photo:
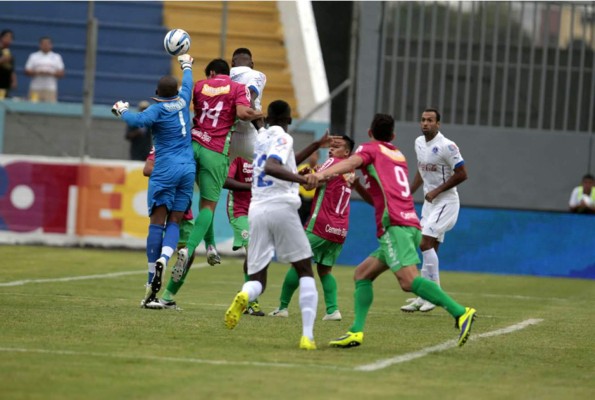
(241, 231)
(211, 171)
(186, 226)
(398, 247)
(324, 251)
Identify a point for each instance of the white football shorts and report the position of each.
(437, 219)
(275, 229)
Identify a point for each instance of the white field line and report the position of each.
(172, 359)
(83, 277)
(380, 364)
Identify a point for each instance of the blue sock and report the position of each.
(154, 240)
(170, 239)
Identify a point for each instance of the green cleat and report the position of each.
(464, 323)
(234, 312)
(307, 344)
(350, 339)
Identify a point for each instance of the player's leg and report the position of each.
(213, 256)
(326, 254)
(154, 242)
(290, 284)
(363, 297)
(401, 243)
(292, 245)
(260, 253)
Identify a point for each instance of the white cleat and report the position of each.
(335, 316)
(427, 306)
(177, 272)
(283, 313)
(414, 305)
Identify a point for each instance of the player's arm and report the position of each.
(350, 164)
(186, 62)
(145, 118)
(361, 190)
(321, 143)
(232, 184)
(148, 168)
(246, 113)
(274, 168)
(459, 175)
(417, 182)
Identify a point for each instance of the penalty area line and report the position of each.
(83, 277)
(380, 364)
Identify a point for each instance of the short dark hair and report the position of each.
(167, 86)
(279, 111)
(242, 50)
(6, 32)
(219, 66)
(44, 38)
(349, 141)
(588, 176)
(382, 127)
(435, 111)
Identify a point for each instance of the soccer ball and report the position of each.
(176, 42)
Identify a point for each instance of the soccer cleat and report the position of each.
(307, 344)
(279, 312)
(334, 316)
(177, 272)
(234, 312)
(160, 265)
(350, 339)
(148, 297)
(426, 306)
(254, 309)
(168, 305)
(414, 305)
(154, 304)
(212, 255)
(463, 323)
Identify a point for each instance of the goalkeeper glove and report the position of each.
(120, 108)
(185, 61)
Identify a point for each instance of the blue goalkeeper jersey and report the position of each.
(169, 120)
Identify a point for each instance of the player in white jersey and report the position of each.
(242, 141)
(440, 168)
(274, 222)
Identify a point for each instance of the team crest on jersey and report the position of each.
(435, 150)
(215, 91)
(395, 154)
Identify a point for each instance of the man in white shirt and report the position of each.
(275, 226)
(440, 168)
(45, 67)
(242, 71)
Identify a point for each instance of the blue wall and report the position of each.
(130, 56)
(497, 241)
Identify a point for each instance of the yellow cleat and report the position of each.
(307, 344)
(234, 312)
(464, 323)
(350, 339)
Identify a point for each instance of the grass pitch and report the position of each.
(71, 328)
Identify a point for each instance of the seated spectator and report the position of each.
(140, 138)
(8, 78)
(45, 67)
(582, 199)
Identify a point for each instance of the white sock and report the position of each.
(308, 305)
(429, 269)
(151, 267)
(253, 288)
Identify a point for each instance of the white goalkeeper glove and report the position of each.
(120, 108)
(185, 61)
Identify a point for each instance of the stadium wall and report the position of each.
(63, 201)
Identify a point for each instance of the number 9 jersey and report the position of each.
(386, 173)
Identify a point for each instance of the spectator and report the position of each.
(8, 78)
(582, 199)
(140, 138)
(45, 67)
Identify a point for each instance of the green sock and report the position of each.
(168, 295)
(363, 298)
(201, 226)
(290, 285)
(210, 236)
(329, 287)
(246, 277)
(428, 290)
